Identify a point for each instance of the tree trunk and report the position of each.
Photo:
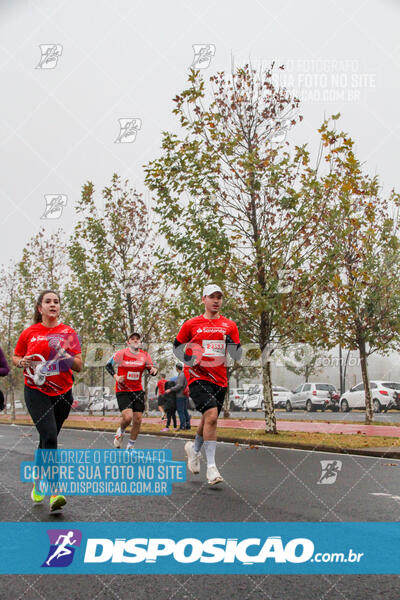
(369, 413)
(130, 313)
(341, 370)
(12, 399)
(270, 419)
(345, 371)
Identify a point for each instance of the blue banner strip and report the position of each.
(209, 548)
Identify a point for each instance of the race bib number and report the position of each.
(133, 375)
(214, 348)
(53, 369)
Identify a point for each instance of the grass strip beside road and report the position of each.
(286, 439)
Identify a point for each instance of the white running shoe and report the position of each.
(213, 475)
(193, 458)
(118, 438)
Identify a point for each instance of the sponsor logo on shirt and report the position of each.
(133, 363)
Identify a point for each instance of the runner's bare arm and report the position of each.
(150, 367)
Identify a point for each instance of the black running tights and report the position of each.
(48, 414)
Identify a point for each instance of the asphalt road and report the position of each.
(265, 484)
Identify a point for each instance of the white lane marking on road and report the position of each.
(383, 494)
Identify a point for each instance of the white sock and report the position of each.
(130, 443)
(210, 447)
(198, 442)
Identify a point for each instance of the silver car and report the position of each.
(313, 396)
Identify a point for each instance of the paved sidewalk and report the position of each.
(248, 424)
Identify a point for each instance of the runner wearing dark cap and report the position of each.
(130, 363)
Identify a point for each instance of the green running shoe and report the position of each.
(36, 495)
(57, 502)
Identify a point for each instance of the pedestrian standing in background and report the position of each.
(181, 400)
(170, 404)
(4, 370)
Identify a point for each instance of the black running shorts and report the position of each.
(207, 395)
(132, 400)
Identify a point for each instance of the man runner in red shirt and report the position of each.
(130, 363)
(201, 344)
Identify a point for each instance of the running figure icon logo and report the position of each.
(203, 54)
(50, 54)
(63, 543)
(330, 470)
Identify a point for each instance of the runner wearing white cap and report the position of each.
(202, 344)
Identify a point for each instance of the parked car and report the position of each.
(106, 402)
(313, 396)
(253, 400)
(255, 397)
(281, 395)
(80, 403)
(236, 398)
(385, 395)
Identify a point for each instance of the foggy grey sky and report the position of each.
(125, 59)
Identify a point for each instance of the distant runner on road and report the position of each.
(202, 344)
(126, 366)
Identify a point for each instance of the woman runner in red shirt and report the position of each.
(48, 351)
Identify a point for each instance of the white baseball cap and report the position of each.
(210, 289)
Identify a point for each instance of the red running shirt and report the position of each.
(131, 366)
(205, 339)
(160, 387)
(40, 340)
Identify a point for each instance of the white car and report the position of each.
(236, 398)
(281, 395)
(255, 397)
(385, 395)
